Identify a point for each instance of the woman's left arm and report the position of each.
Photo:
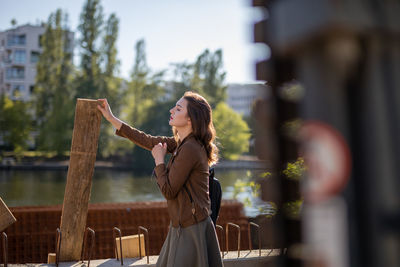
(171, 182)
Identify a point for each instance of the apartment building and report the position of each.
(19, 52)
(240, 97)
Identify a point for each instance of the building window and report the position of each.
(15, 73)
(19, 56)
(34, 56)
(16, 39)
(7, 56)
(40, 40)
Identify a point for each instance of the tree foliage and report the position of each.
(109, 84)
(206, 77)
(142, 101)
(209, 74)
(15, 124)
(232, 131)
(144, 90)
(53, 94)
(90, 28)
(156, 124)
(138, 96)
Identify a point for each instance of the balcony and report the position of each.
(15, 73)
(16, 40)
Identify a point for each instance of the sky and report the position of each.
(174, 31)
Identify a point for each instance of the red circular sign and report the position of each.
(327, 158)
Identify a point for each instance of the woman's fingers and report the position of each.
(158, 152)
(104, 107)
(160, 148)
(103, 102)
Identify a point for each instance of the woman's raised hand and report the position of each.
(105, 109)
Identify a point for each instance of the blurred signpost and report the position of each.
(79, 179)
(327, 158)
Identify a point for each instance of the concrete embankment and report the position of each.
(12, 164)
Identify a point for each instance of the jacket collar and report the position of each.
(185, 139)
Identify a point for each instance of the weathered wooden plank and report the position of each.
(130, 246)
(6, 217)
(79, 179)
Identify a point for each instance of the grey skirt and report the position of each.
(192, 246)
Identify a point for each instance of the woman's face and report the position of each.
(179, 116)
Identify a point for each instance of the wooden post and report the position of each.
(6, 217)
(79, 179)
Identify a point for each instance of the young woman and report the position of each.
(191, 240)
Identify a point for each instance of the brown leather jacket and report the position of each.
(187, 165)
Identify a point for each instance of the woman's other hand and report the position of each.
(159, 152)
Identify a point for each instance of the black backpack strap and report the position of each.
(215, 192)
(211, 174)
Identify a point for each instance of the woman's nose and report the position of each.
(171, 110)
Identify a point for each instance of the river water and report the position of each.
(46, 187)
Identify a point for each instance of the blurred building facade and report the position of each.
(20, 49)
(240, 97)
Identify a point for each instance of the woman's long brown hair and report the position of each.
(200, 114)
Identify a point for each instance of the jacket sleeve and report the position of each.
(171, 182)
(144, 140)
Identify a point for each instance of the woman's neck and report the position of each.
(183, 132)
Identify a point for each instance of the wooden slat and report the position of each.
(260, 31)
(6, 217)
(260, 3)
(130, 246)
(262, 70)
(79, 179)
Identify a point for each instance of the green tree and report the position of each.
(90, 28)
(232, 131)
(15, 124)
(13, 22)
(208, 71)
(138, 100)
(144, 93)
(144, 88)
(109, 83)
(206, 77)
(183, 80)
(54, 90)
(109, 58)
(156, 124)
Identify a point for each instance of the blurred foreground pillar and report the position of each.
(346, 56)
